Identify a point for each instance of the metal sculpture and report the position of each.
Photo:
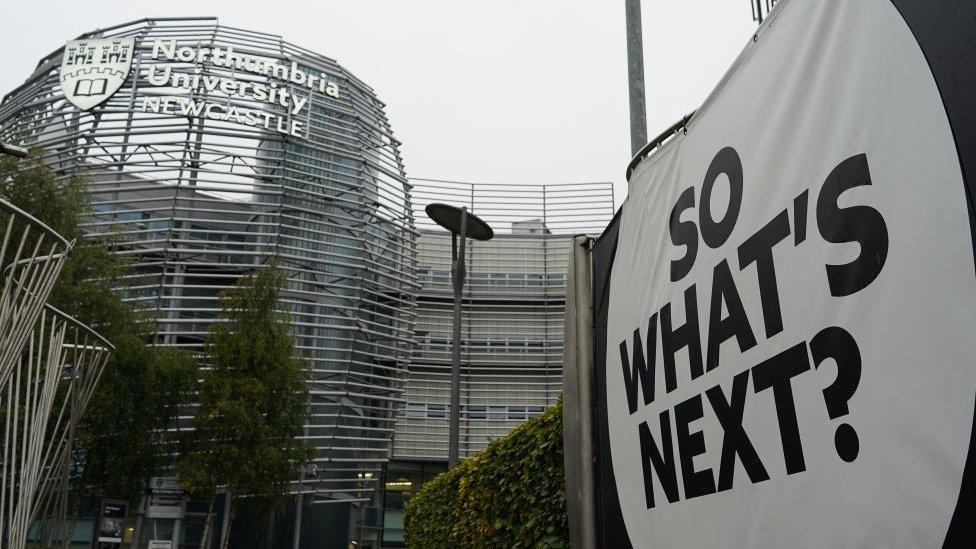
(42, 405)
(31, 258)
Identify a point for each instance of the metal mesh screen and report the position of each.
(512, 313)
(197, 203)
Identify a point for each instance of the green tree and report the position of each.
(252, 402)
(121, 439)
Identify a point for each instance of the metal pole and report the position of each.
(458, 280)
(584, 357)
(578, 398)
(224, 527)
(299, 504)
(635, 77)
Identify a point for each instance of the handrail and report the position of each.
(656, 142)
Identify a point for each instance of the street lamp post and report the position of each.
(635, 76)
(461, 223)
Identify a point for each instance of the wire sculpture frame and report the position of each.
(49, 390)
(31, 258)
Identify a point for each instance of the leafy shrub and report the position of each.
(511, 494)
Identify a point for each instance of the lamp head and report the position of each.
(449, 217)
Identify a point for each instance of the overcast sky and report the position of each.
(508, 91)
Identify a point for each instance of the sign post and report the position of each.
(166, 498)
(110, 524)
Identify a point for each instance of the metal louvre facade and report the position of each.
(512, 315)
(197, 202)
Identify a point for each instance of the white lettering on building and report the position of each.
(287, 95)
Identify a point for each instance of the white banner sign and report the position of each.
(792, 301)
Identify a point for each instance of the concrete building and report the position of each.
(512, 323)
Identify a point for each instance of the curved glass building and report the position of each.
(209, 150)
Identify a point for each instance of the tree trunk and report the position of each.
(230, 525)
(270, 529)
(206, 526)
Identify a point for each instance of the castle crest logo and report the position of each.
(94, 69)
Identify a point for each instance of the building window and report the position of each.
(556, 278)
(437, 411)
(516, 412)
(477, 412)
(496, 412)
(414, 410)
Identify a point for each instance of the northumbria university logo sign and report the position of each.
(94, 69)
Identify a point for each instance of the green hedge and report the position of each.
(511, 494)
